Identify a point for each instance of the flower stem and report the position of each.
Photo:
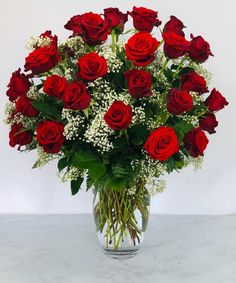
(163, 67)
(115, 215)
(113, 44)
(179, 66)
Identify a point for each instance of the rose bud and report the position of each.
(199, 49)
(179, 102)
(193, 82)
(118, 116)
(24, 106)
(208, 123)
(50, 136)
(55, 86)
(144, 19)
(162, 143)
(195, 142)
(139, 83)
(141, 48)
(175, 45)
(18, 85)
(175, 25)
(19, 135)
(216, 101)
(92, 66)
(115, 18)
(76, 96)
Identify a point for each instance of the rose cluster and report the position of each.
(158, 77)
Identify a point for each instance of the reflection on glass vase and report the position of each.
(121, 219)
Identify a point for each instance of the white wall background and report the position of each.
(209, 191)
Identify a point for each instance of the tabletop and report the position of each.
(64, 249)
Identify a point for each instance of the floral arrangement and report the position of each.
(119, 113)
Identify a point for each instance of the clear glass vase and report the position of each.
(121, 219)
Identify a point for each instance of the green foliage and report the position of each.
(181, 128)
(76, 185)
(48, 107)
(62, 163)
(175, 162)
(138, 134)
(85, 159)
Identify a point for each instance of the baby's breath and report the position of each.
(113, 62)
(98, 133)
(39, 41)
(75, 120)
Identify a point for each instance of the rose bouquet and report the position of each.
(117, 113)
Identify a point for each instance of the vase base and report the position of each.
(120, 254)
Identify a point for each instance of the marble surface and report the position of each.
(64, 249)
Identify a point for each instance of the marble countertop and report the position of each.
(64, 249)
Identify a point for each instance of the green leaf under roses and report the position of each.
(62, 163)
(75, 185)
(138, 134)
(87, 160)
(185, 70)
(51, 111)
(181, 128)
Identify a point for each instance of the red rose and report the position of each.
(195, 142)
(74, 24)
(19, 135)
(92, 27)
(193, 82)
(175, 45)
(76, 96)
(162, 143)
(216, 101)
(118, 116)
(92, 66)
(139, 83)
(55, 86)
(199, 49)
(208, 123)
(175, 25)
(24, 106)
(144, 19)
(50, 136)
(42, 59)
(179, 101)
(18, 85)
(115, 18)
(140, 48)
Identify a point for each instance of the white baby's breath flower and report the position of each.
(98, 133)
(39, 41)
(70, 174)
(113, 62)
(75, 120)
(43, 158)
(155, 186)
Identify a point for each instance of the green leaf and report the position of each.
(170, 164)
(185, 70)
(62, 163)
(75, 185)
(119, 171)
(179, 164)
(181, 128)
(84, 159)
(138, 134)
(50, 110)
(169, 74)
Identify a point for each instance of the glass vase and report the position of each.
(121, 218)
